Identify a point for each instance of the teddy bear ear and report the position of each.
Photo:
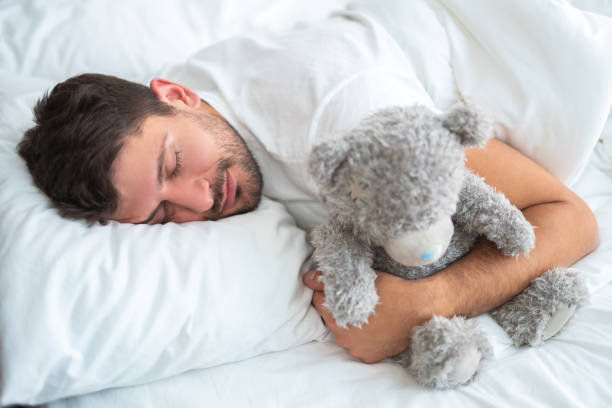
(325, 158)
(467, 122)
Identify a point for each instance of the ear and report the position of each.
(470, 125)
(325, 159)
(170, 92)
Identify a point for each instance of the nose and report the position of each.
(190, 196)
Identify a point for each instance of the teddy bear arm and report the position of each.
(484, 211)
(348, 276)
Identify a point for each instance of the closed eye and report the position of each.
(179, 164)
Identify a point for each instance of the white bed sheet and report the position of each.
(573, 369)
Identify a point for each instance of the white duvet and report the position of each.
(543, 68)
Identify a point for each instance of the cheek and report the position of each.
(199, 155)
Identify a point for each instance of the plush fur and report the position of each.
(438, 346)
(526, 316)
(401, 200)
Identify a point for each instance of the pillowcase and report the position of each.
(86, 308)
(132, 39)
(546, 76)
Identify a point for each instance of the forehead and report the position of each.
(134, 171)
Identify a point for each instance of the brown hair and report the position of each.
(80, 127)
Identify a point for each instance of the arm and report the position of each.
(566, 231)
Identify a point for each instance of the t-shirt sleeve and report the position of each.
(339, 112)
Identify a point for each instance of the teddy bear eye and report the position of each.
(357, 190)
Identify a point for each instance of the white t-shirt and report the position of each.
(285, 91)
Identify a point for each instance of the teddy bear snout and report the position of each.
(418, 248)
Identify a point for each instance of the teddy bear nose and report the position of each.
(418, 248)
(426, 256)
(431, 253)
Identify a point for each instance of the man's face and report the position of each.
(188, 167)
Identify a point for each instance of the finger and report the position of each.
(311, 279)
(318, 298)
(339, 333)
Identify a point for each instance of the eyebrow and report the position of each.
(160, 175)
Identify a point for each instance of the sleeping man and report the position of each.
(238, 120)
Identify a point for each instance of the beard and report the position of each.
(234, 154)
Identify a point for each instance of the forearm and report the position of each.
(484, 279)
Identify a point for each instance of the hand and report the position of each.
(388, 331)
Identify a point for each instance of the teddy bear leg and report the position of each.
(543, 309)
(445, 352)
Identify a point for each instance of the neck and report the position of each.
(204, 106)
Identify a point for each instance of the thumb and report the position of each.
(311, 279)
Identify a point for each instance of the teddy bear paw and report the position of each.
(351, 306)
(558, 319)
(518, 239)
(543, 309)
(446, 353)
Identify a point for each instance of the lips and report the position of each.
(230, 191)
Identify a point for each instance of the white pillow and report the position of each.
(132, 39)
(546, 75)
(86, 308)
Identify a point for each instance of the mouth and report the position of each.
(230, 191)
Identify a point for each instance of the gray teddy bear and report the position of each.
(401, 200)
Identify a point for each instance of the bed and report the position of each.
(93, 317)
